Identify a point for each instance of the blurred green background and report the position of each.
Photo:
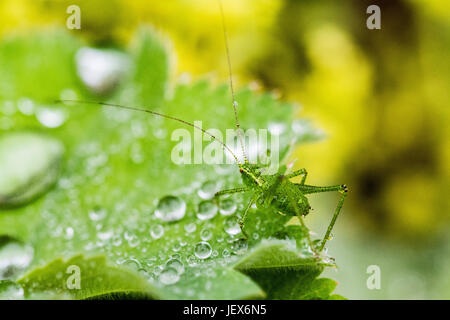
(381, 97)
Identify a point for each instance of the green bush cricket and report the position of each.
(269, 191)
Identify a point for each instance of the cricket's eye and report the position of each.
(241, 170)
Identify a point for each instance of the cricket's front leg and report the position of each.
(228, 191)
(244, 216)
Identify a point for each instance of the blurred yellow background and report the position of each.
(381, 97)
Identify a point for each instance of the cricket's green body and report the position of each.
(275, 191)
(279, 193)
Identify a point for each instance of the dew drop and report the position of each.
(97, 214)
(208, 189)
(191, 260)
(105, 235)
(30, 164)
(101, 70)
(151, 261)
(170, 208)
(227, 207)
(132, 263)
(176, 264)
(206, 210)
(176, 247)
(225, 253)
(169, 276)
(68, 233)
(205, 234)
(239, 246)
(191, 227)
(26, 106)
(203, 250)
(51, 118)
(133, 241)
(156, 231)
(231, 226)
(117, 241)
(14, 257)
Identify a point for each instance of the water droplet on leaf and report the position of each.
(206, 234)
(14, 257)
(231, 226)
(206, 210)
(156, 231)
(227, 207)
(208, 189)
(169, 276)
(30, 165)
(202, 250)
(176, 264)
(170, 208)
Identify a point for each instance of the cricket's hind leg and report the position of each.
(342, 189)
(301, 172)
(299, 215)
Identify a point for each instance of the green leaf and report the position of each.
(118, 165)
(97, 278)
(284, 272)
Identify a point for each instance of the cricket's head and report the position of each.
(250, 173)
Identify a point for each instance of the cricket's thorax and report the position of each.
(289, 200)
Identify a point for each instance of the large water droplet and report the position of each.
(169, 276)
(26, 106)
(30, 164)
(132, 263)
(227, 207)
(231, 226)
(14, 258)
(202, 250)
(206, 210)
(51, 117)
(208, 189)
(176, 264)
(170, 208)
(101, 70)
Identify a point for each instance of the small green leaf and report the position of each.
(284, 272)
(96, 278)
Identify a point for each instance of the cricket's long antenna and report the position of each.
(238, 126)
(154, 113)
